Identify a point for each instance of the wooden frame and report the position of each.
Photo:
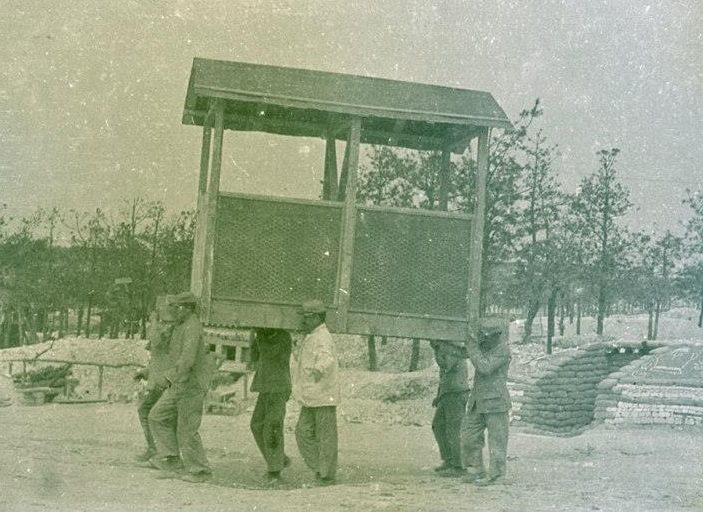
(237, 96)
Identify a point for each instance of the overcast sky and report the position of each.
(92, 91)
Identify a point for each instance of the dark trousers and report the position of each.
(146, 402)
(446, 427)
(495, 425)
(174, 421)
(267, 428)
(316, 436)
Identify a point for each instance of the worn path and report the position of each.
(79, 457)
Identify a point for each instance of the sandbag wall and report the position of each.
(639, 394)
(561, 397)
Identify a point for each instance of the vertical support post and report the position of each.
(344, 175)
(477, 226)
(196, 274)
(213, 191)
(329, 183)
(346, 252)
(444, 175)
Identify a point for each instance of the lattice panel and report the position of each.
(411, 263)
(276, 252)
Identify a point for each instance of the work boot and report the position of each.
(495, 480)
(196, 478)
(148, 454)
(171, 463)
(273, 479)
(452, 472)
(324, 481)
(443, 466)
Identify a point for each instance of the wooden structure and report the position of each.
(380, 270)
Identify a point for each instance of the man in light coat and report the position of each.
(489, 403)
(159, 333)
(175, 419)
(316, 387)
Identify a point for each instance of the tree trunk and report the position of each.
(8, 314)
(532, 310)
(601, 310)
(79, 327)
(571, 311)
(373, 361)
(20, 327)
(551, 314)
(578, 317)
(700, 316)
(650, 321)
(415, 356)
(562, 315)
(657, 311)
(89, 313)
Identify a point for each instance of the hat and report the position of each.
(491, 327)
(184, 298)
(312, 307)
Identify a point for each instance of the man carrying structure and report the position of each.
(159, 334)
(270, 355)
(316, 388)
(452, 394)
(176, 417)
(489, 403)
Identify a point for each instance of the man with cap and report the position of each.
(316, 387)
(161, 324)
(176, 417)
(489, 403)
(450, 403)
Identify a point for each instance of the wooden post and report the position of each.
(477, 225)
(348, 226)
(329, 183)
(344, 176)
(213, 191)
(196, 275)
(444, 177)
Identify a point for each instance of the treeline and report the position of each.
(544, 248)
(90, 265)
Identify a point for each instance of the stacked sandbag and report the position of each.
(561, 398)
(652, 391)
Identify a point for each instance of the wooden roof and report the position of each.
(299, 102)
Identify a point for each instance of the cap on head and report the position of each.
(184, 298)
(492, 327)
(313, 307)
(164, 308)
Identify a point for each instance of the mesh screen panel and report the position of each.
(417, 264)
(275, 252)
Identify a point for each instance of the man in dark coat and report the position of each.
(270, 355)
(489, 403)
(452, 394)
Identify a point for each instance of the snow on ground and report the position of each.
(392, 389)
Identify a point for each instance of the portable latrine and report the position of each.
(380, 270)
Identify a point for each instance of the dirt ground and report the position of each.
(79, 457)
